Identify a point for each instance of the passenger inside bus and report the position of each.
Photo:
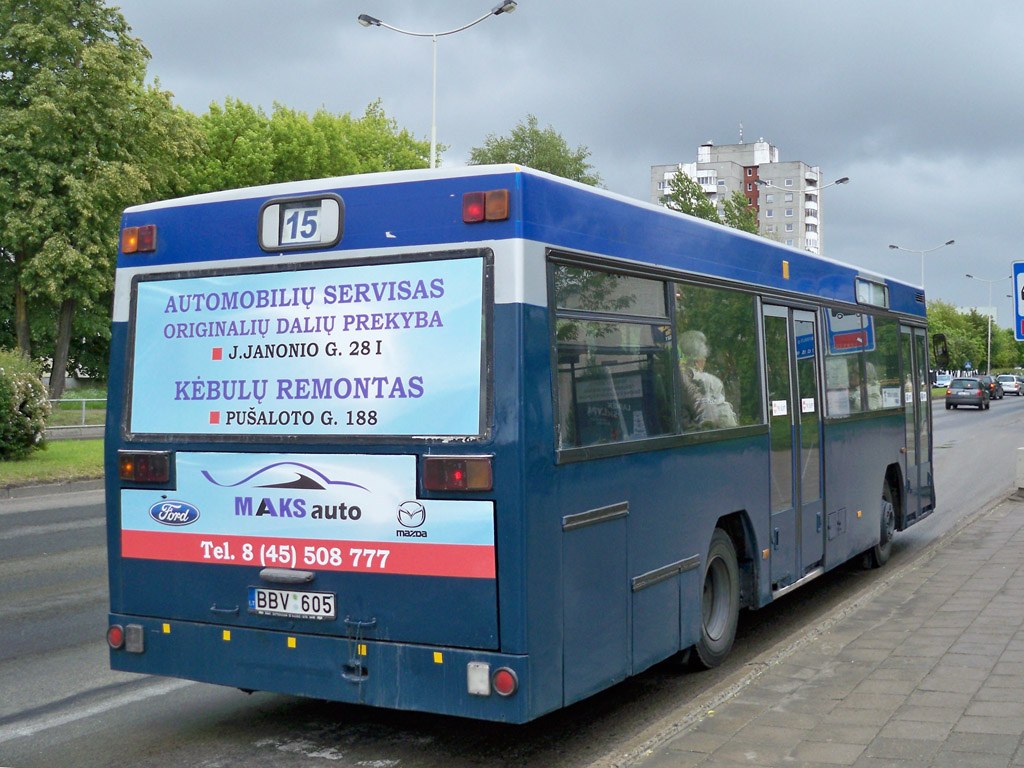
(708, 407)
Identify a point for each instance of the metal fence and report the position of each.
(83, 412)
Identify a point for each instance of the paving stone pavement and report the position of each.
(928, 672)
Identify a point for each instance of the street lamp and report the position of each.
(369, 21)
(769, 185)
(988, 354)
(928, 250)
(844, 180)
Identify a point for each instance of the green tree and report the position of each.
(81, 137)
(542, 150)
(244, 147)
(687, 196)
(738, 213)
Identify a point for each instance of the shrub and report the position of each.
(24, 406)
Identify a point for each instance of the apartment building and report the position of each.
(785, 194)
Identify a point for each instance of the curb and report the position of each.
(86, 432)
(691, 712)
(50, 489)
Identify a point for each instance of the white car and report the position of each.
(942, 380)
(1011, 384)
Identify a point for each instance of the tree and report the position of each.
(687, 196)
(542, 150)
(244, 147)
(81, 137)
(738, 213)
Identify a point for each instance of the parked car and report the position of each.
(966, 392)
(992, 386)
(1009, 383)
(943, 379)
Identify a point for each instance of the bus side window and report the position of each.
(614, 379)
(718, 362)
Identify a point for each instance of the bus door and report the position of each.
(794, 412)
(916, 401)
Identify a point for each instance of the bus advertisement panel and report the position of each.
(346, 350)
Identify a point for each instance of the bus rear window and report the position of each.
(389, 349)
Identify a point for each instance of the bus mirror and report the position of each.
(940, 353)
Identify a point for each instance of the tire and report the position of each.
(879, 554)
(720, 602)
(988, 404)
(948, 406)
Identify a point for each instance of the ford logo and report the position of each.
(174, 513)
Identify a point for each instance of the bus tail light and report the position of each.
(485, 206)
(115, 636)
(481, 682)
(144, 466)
(131, 638)
(504, 681)
(457, 473)
(138, 239)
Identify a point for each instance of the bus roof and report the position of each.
(422, 207)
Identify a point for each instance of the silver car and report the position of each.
(1011, 384)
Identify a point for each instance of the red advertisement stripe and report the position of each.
(419, 559)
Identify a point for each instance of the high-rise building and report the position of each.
(785, 194)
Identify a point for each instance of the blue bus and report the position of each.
(483, 441)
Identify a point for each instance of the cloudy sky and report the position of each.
(921, 104)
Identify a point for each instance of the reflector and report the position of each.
(505, 681)
(115, 636)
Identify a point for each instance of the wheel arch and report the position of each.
(739, 528)
(894, 479)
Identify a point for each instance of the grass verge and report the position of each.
(61, 461)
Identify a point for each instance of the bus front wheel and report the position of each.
(879, 554)
(720, 602)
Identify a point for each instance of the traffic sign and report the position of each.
(1018, 304)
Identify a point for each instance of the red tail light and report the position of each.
(457, 473)
(115, 636)
(504, 681)
(138, 239)
(144, 466)
(485, 206)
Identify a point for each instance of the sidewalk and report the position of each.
(927, 671)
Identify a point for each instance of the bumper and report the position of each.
(392, 675)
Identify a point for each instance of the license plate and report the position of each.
(292, 604)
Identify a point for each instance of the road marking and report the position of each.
(46, 722)
(39, 530)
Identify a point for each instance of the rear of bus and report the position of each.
(302, 450)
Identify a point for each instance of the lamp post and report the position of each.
(844, 180)
(988, 353)
(927, 250)
(369, 21)
(769, 185)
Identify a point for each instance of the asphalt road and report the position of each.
(60, 705)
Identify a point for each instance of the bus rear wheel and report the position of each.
(720, 602)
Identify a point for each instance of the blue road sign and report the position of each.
(1018, 303)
